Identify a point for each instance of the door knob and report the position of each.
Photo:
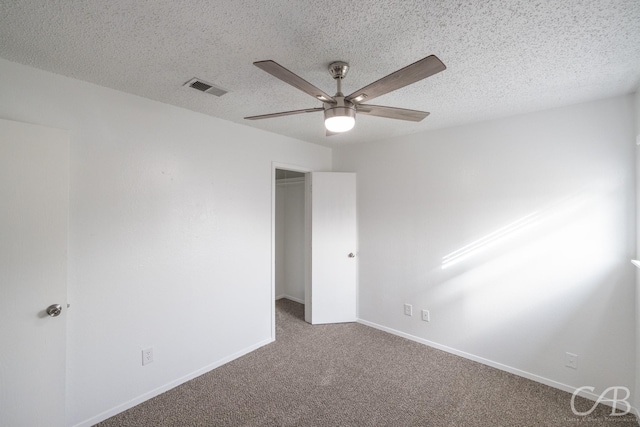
(54, 310)
(351, 255)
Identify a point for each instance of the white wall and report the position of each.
(559, 281)
(290, 239)
(170, 235)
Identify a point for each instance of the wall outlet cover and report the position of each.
(408, 310)
(147, 356)
(571, 360)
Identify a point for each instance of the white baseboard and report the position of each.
(294, 299)
(153, 393)
(506, 368)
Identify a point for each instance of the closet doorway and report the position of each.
(290, 235)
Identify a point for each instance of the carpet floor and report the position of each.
(353, 375)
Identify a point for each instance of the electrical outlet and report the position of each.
(426, 316)
(408, 310)
(571, 360)
(147, 356)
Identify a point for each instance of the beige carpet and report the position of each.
(353, 375)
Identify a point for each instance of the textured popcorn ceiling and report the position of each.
(503, 57)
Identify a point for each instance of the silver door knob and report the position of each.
(54, 310)
(351, 255)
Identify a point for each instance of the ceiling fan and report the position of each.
(339, 110)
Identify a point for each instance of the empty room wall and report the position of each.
(170, 235)
(516, 234)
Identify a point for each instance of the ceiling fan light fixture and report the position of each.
(339, 110)
(339, 119)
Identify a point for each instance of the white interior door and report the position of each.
(332, 294)
(34, 211)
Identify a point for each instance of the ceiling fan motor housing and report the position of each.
(342, 107)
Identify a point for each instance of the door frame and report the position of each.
(307, 224)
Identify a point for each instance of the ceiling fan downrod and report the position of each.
(338, 71)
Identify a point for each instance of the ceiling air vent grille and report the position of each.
(205, 87)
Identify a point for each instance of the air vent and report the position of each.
(205, 87)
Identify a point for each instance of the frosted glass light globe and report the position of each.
(339, 123)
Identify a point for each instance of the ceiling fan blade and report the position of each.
(391, 112)
(294, 80)
(285, 113)
(410, 74)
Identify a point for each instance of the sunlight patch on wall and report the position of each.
(558, 262)
(490, 239)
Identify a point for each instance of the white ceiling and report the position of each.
(503, 57)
